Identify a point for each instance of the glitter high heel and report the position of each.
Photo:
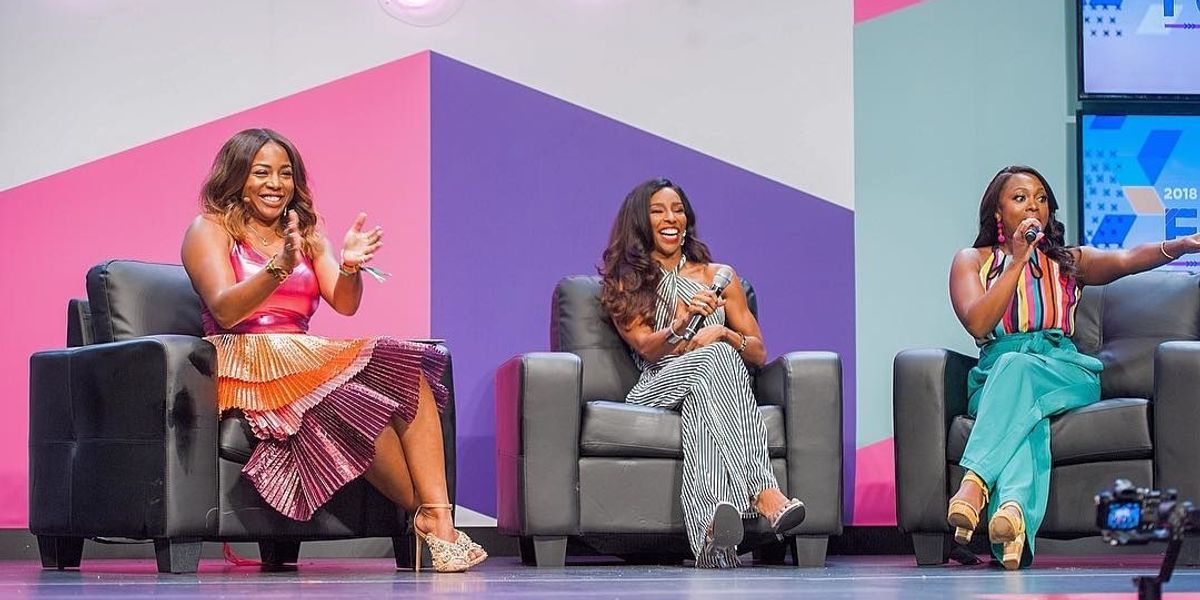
(468, 545)
(448, 557)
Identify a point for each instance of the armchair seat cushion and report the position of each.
(629, 430)
(1113, 429)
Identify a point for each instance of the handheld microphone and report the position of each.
(1032, 233)
(720, 282)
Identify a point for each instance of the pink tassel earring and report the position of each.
(1000, 231)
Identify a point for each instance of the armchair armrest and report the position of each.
(1176, 417)
(808, 385)
(79, 323)
(123, 439)
(929, 390)
(538, 408)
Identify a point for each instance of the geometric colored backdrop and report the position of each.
(525, 190)
(365, 141)
(488, 191)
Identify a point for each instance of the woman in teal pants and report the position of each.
(1017, 298)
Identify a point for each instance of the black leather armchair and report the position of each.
(124, 437)
(574, 461)
(1143, 328)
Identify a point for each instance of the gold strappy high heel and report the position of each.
(1007, 528)
(448, 557)
(963, 515)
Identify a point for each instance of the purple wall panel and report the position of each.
(524, 190)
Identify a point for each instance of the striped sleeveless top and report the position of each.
(674, 288)
(1045, 298)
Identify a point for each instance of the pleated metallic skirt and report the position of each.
(317, 406)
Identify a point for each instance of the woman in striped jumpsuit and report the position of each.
(656, 275)
(1017, 298)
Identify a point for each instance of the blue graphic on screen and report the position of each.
(1123, 516)
(1140, 46)
(1140, 181)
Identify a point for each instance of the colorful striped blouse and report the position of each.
(1045, 299)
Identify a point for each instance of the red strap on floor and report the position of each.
(232, 558)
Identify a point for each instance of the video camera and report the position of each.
(1127, 514)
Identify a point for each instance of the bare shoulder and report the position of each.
(714, 267)
(205, 223)
(206, 230)
(971, 257)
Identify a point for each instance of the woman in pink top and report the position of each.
(325, 411)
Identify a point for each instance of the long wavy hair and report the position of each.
(221, 195)
(630, 276)
(1052, 244)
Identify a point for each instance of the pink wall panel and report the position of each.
(365, 140)
(865, 10)
(875, 484)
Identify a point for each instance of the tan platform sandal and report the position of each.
(448, 557)
(1007, 528)
(963, 515)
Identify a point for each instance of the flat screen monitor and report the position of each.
(1139, 180)
(1139, 48)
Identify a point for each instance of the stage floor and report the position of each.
(504, 577)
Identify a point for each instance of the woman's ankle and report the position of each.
(972, 488)
(438, 521)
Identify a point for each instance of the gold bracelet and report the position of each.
(348, 271)
(276, 271)
(745, 341)
(1162, 247)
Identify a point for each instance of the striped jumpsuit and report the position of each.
(724, 438)
(1028, 371)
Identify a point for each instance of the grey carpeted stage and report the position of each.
(1073, 570)
(504, 577)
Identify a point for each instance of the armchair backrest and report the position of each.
(129, 299)
(1123, 322)
(579, 325)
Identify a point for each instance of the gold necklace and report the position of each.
(258, 235)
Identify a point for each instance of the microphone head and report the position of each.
(1032, 233)
(722, 278)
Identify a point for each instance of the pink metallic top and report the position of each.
(286, 310)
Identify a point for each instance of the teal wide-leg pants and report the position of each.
(1020, 382)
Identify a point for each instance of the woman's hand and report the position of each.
(704, 303)
(360, 246)
(1021, 249)
(1190, 244)
(706, 336)
(292, 244)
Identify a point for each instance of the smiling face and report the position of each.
(269, 186)
(668, 222)
(1023, 196)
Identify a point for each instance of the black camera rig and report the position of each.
(1129, 515)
